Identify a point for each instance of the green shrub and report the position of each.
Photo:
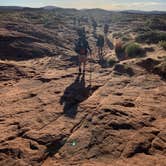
(117, 35)
(151, 37)
(162, 44)
(125, 38)
(119, 52)
(156, 23)
(160, 69)
(133, 50)
(112, 62)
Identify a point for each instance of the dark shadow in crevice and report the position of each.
(103, 63)
(154, 66)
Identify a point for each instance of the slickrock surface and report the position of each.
(52, 116)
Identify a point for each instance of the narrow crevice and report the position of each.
(121, 126)
(116, 112)
(55, 146)
(14, 153)
(78, 124)
(60, 114)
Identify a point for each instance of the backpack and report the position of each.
(81, 47)
(100, 41)
(106, 28)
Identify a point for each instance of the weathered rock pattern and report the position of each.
(52, 116)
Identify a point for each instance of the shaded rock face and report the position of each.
(27, 41)
(149, 64)
(122, 69)
(51, 115)
(18, 47)
(10, 72)
(155, 66)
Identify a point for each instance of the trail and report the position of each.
(52, 116)
(32, 106)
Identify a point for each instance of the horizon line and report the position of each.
(40, 7)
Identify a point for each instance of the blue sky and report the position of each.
(105, 4)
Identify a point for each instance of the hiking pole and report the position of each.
(90, 84)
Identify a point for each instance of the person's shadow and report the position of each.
(73, 95)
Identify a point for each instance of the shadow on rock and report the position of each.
(122, 69)
(154, 66)
(110, 44)
(73, 95)
(103, 63)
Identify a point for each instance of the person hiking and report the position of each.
(81, 32)
(94, 24)
(83, 49)
(100, 45)
(106, 29)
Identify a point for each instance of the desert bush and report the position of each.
(151, 37)
(157, 23)
(123, 69)
(118, 43)
(118, 46)
(126, 38)
(133, 50)
(112, 62)
(119, 49)
(154, 66)
(117, 35)
(162, 44)
(141, 29)
(160, 69)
